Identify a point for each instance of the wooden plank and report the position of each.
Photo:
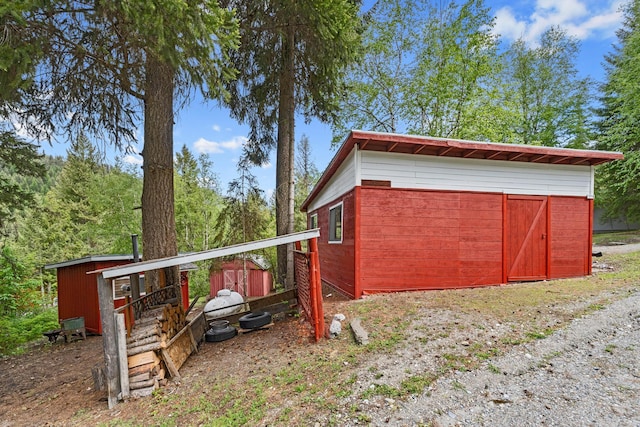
(177, 336)
(143, 341)
(142, 359)
(97, 372)
(132, 351)
(140, 377)
(121, 336)
(180, 350)
(110, 350)
(146, 368)
(136, 385)
(198, 326)
(245, 331)
(268, 300)
(143, 392)
(194, 344)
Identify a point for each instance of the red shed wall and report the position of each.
(415, 240)
(421, 239)
(570, 240)
(260, 281)
(78, 293)
(337, 260)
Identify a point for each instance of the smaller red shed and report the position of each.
(230, 275)
(78, 292)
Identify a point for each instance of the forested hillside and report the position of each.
(84, 206)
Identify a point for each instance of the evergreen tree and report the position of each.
(114, 198)
(17, 159)
(197, 201)
(99, 64)
(307, 174)
(291, 60)
(244, 216)
(619, 181)
(60, 229)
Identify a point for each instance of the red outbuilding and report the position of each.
(401, 212)
(230, 275)
(78, 292)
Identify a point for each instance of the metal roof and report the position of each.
(106, 258)
(138, 267)
(446, 147)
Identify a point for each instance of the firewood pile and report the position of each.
(150, 334)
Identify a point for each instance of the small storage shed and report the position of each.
(230, 275)
(78, 294)
(400, 212)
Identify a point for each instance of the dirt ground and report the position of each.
(51, 384)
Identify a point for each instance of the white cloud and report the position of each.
(212, 147)
(582, 19)
(267, 165)
(132, 159)
(508, 26)
(216, 128)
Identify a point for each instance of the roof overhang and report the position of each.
(445, 147)
(108, 258)
(154, 264)
(90, 258)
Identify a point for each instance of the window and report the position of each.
(122, 287)
(335, 224)
(313, 221)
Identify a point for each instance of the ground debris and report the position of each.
(359, 334)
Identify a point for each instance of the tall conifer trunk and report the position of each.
(158, 219)
(285, 155)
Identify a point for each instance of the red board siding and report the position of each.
(260, 281)
(526, 238)
(337, 260)
(420, 239)
(78, 293)
(570, 237)
(413, 240)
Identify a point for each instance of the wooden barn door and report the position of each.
(526, 238)
(230, 280)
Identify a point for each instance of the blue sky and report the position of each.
(206, 128)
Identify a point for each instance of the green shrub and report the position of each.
(16, 331)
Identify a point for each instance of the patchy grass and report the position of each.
(321, 382)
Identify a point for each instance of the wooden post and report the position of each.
(121, 337)
(127, 315)
(110, 349)
(316, 288)
(134, 279)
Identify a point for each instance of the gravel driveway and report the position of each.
(587, 374)
(617, 249)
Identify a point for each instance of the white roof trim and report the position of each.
(90, 258)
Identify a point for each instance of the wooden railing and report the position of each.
(133, 309)
(309, 285)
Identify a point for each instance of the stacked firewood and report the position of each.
(150, 334)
